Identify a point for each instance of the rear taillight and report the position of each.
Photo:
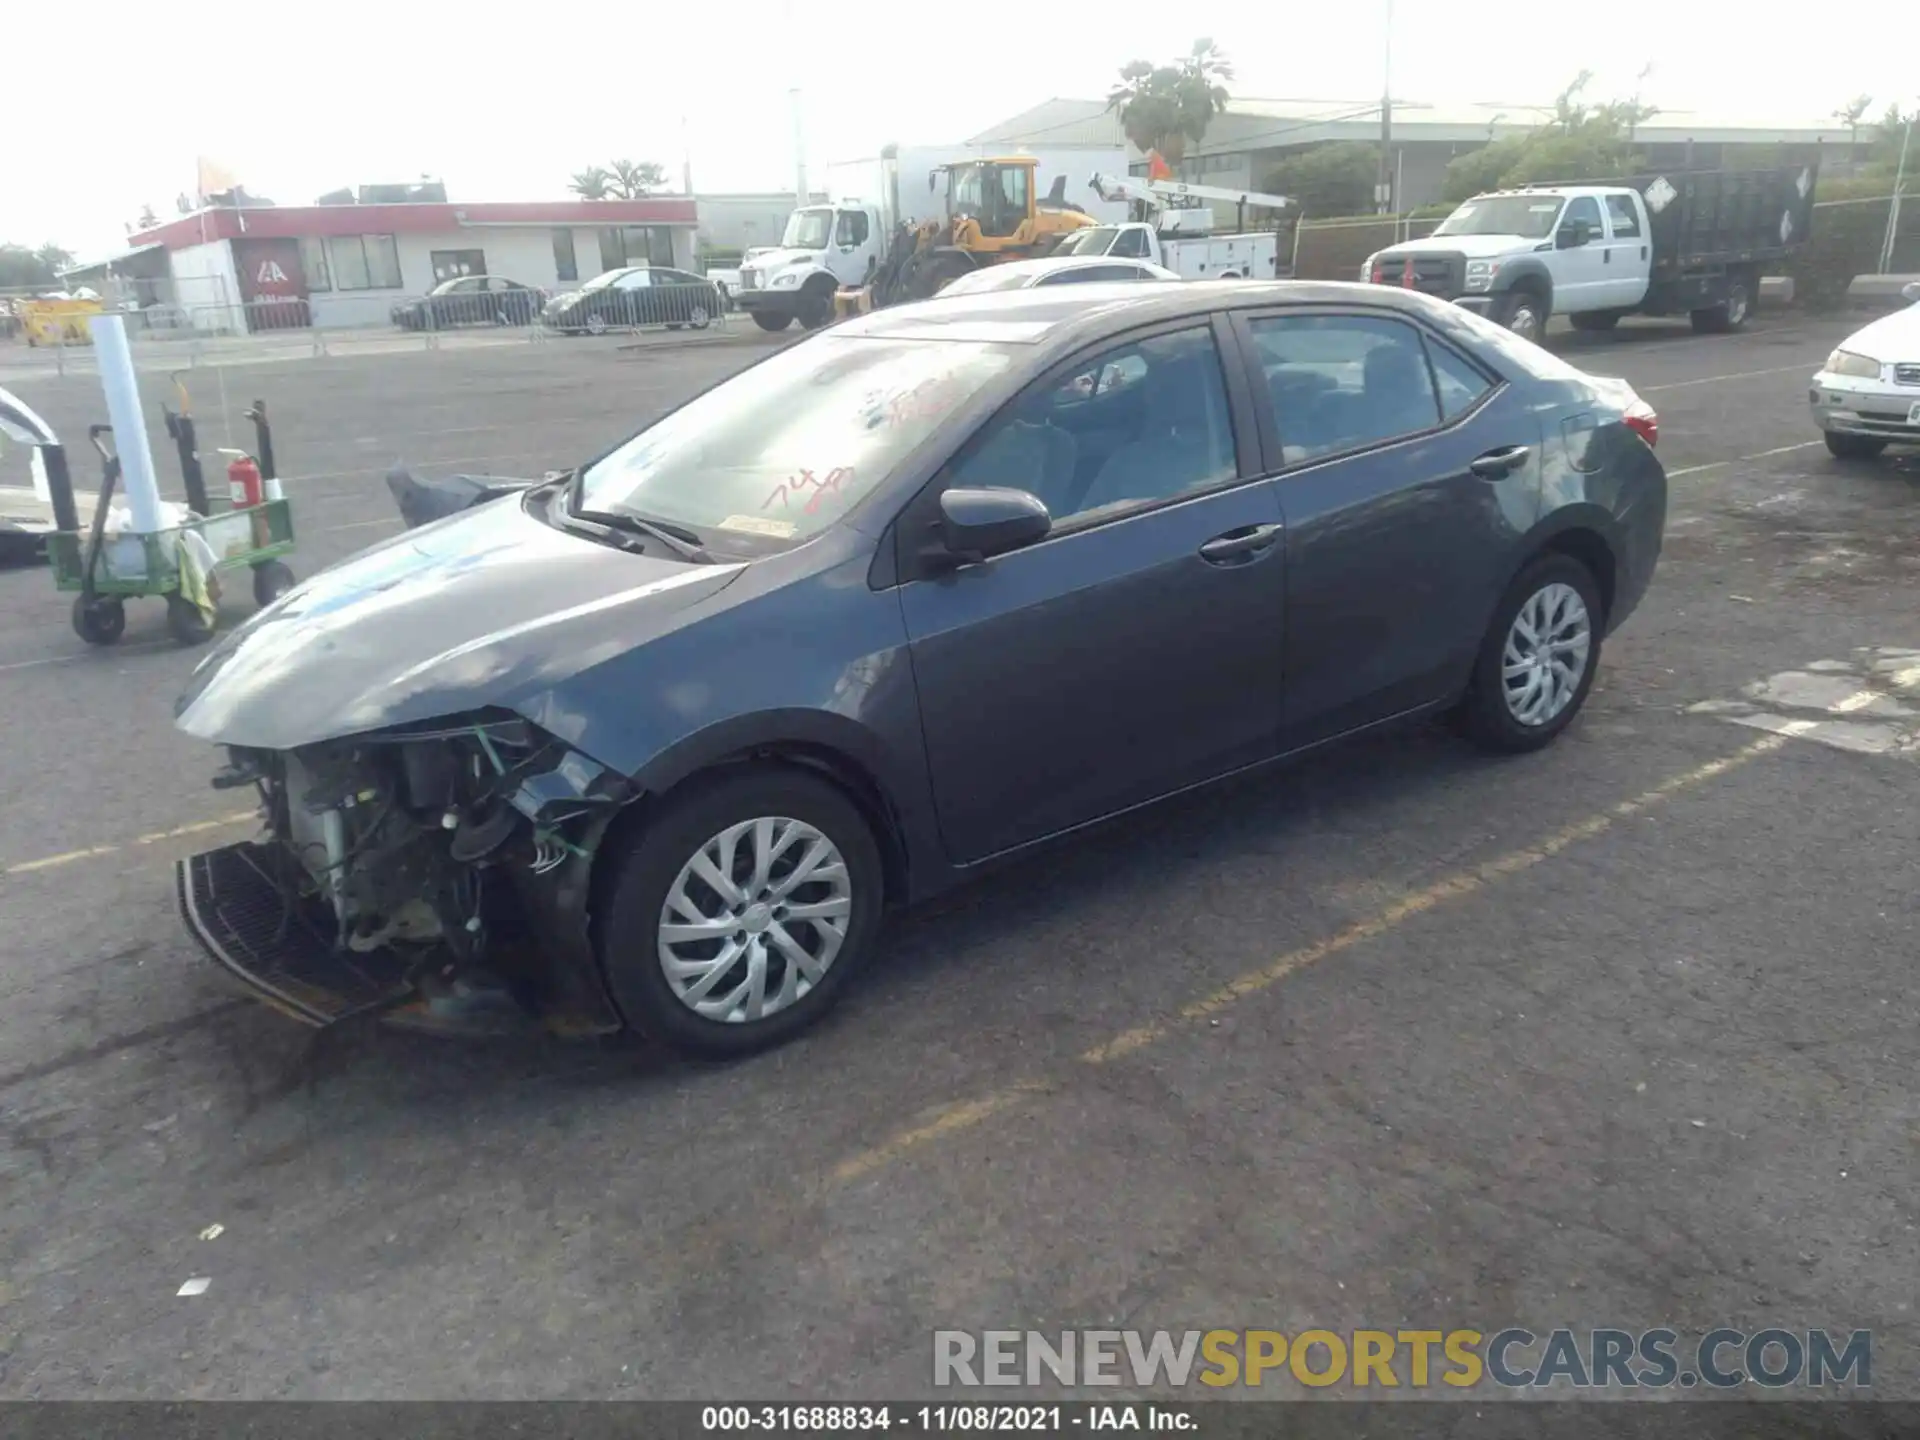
(1642, 420)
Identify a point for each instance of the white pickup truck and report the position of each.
(1201, 256)
(1695, 243)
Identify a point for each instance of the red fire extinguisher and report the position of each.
(244, 486)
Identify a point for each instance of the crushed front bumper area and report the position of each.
(283, 950)
(254, 925)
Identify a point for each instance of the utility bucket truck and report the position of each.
(1172, 225)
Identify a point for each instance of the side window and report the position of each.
(1124, 428)
(1343, 382)
(1583, 208)
(1132, 243)
(1626, 220)
(1460, 385)
(634, 280)
(850, 228)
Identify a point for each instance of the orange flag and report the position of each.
(1157, 168)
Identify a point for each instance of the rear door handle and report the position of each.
(1498, 464)
(1238, 545)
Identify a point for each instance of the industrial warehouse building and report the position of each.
(1250, 137)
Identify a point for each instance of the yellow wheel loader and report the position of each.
(993, 213)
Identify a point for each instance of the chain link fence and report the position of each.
(185, 321)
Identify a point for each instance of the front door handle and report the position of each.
(1498, 464)
(1238, 545)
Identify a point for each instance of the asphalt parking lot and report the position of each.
(1617, 1034)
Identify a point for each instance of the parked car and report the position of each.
(472, 300)
(635, 295)
(653, 742)
(1054, 270)
(1867, 396)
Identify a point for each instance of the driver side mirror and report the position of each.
(1574, 234)
(977, 524)
(1911, 291)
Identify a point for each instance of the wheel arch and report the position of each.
(1528, 274)
(1583, 534)
(829, 746)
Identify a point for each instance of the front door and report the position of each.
(1581, 272)
(1134, 651)
(1397, 550)
(852, 252)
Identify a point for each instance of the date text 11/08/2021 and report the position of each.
(945, 1419)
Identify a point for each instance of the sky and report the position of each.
(504, 103)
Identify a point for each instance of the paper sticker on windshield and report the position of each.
(759, 525)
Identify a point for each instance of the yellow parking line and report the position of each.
(90, 852)
(1452, 887)
(239, 817)
(47, 862)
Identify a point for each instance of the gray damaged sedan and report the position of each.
(654, 743)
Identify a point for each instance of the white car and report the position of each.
(1055, 270)
(1867, 396)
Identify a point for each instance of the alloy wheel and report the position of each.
(754, 919)
(1546, 654)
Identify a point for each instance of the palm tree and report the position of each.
(630, 181)
(592, 183)
(1164, 107)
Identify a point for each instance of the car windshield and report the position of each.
(784, 449)
(1094, 241)
(602, 281)
(1529, 215)
(808, 230)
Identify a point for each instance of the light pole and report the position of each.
(1893, 206)
(1383, 187)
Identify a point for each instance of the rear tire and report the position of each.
(271, 580)
(634, 951)
(1853, 447)
(1525, 312)
(1491, 713)
(1730, 314)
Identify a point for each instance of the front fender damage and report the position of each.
(436, 875)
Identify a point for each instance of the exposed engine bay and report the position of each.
(456, 848)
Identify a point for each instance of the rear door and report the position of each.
(1397, 549)
(1629, 256)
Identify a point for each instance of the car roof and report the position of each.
(1072, 314)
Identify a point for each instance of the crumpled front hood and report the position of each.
(489, 607)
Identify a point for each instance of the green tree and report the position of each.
(1479, 171)
(629, 180)
(1165, 108)
(1335, 179)
(592, 183)
(24, 269)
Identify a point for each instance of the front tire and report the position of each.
(101, 623)
(1594, 320)
(741, 912)
(769, 321)
(1853, 447)
(1538, 659)
(1525, 312)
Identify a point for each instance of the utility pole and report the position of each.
(799, 152)
(686, 158)
(1383, 189)
(1893, 206)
